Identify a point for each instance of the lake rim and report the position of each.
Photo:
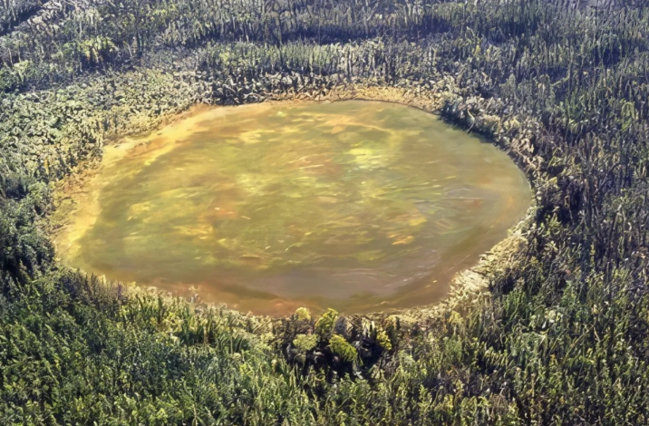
(422, 292)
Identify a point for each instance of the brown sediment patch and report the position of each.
(87, 204)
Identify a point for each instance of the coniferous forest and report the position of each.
(559, 337)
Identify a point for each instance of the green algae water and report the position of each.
(360, 206)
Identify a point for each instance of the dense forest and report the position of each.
(561, 336)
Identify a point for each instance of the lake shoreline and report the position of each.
(466, 285)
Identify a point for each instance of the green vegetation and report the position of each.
(561, 337)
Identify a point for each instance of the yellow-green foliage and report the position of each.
(305, 342)
(382, 339)
(342, 348)
(303, 314)
(455, 318)
(325, 324)
(392, 327)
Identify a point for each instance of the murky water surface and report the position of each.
(355, 205)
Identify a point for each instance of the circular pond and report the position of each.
(354, 205)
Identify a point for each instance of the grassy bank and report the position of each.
(560, 337)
